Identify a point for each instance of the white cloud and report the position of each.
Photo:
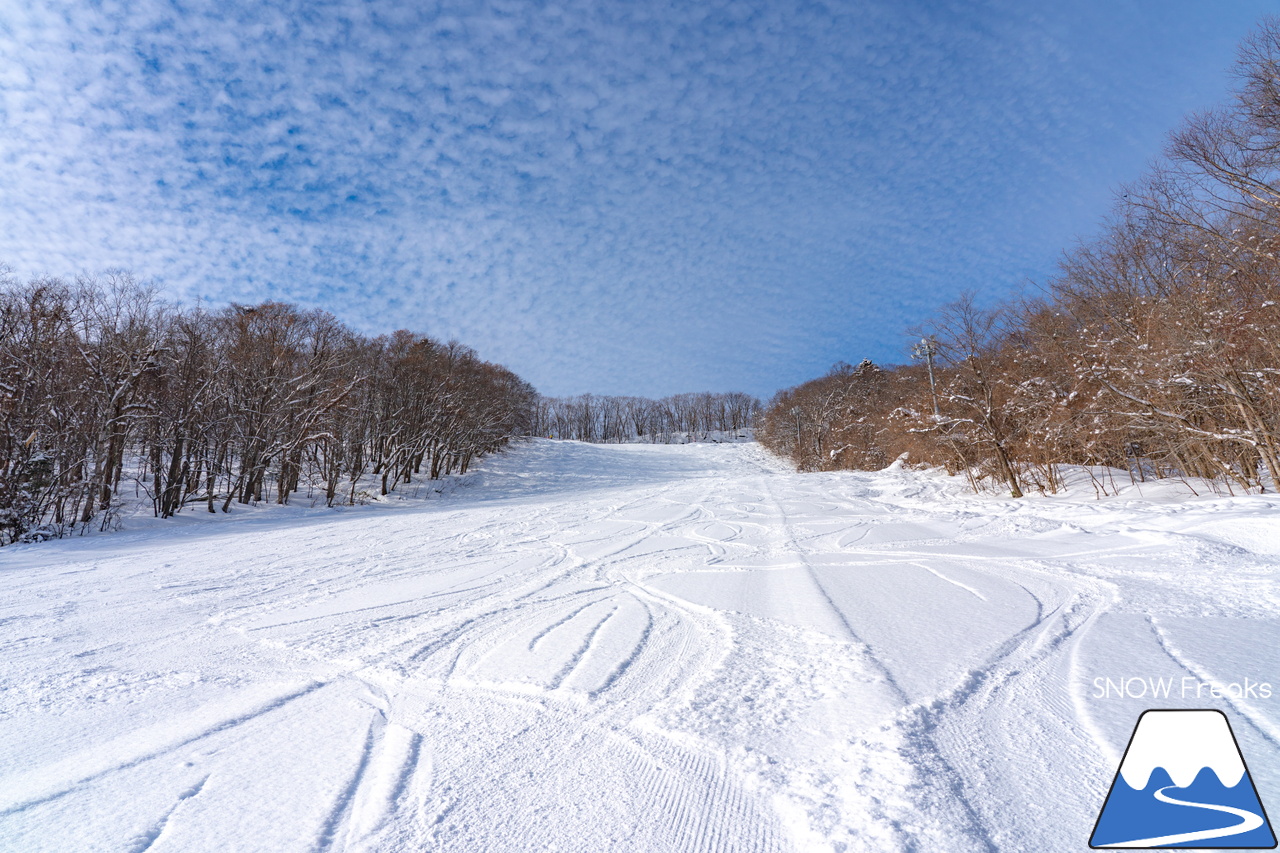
(606, 196)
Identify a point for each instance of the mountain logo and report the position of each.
(1183, 782)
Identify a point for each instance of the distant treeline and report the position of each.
(104, 387)
(625, 419)
(1156, 349)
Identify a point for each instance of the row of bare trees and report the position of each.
(106, 389)
(1156, 349)
(679, 418)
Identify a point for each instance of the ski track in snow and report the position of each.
(643, 648)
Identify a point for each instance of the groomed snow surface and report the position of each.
(649, 648)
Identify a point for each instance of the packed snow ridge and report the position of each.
(628, 647)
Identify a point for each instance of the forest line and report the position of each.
(616, 419)
(104, 386)
(1156, 349)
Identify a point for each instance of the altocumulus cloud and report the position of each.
(617, 197)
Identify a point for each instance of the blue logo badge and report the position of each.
(1183, 783)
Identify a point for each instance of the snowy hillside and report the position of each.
(629, 647)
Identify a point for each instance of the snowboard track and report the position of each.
(721, 656)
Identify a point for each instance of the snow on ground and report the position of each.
(629, 647)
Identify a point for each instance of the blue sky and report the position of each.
(614, 197)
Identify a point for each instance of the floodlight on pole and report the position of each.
(927, 349)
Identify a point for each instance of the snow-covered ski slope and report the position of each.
(649, 648)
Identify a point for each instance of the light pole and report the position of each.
(927, 349)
